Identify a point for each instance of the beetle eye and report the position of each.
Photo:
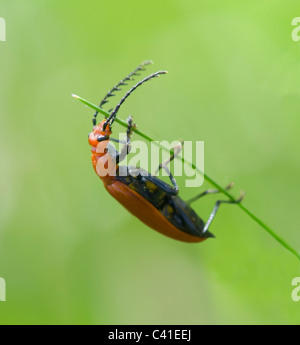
(102, 138)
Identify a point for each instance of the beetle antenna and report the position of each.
(115, 111)
(117, 87)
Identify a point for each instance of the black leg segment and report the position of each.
(215, 209)
(209, 191)
(163, 165)
(126, 147)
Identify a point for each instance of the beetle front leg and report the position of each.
(127, 145)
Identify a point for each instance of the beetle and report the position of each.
(156, 203)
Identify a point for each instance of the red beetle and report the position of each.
(153, 201)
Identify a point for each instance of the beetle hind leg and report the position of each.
(215, 209)
(208, 191)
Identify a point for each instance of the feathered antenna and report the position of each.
(121, 83)
(115, 111)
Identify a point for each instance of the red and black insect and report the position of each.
(153, 201)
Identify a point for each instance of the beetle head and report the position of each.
(100, 133)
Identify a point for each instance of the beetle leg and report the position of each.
(215, 209)
(163, 165)
(176, 151)
(126, 147)
(209, 191)
(174, 183)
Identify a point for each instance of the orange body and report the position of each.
(146, 212)
(130, 199)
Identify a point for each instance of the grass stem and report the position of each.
(206, 177)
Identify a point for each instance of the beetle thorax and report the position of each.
(104, 165)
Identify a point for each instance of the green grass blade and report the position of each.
(206, 177)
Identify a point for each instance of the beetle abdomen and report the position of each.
(147, 213)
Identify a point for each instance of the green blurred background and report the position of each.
(69, 253)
